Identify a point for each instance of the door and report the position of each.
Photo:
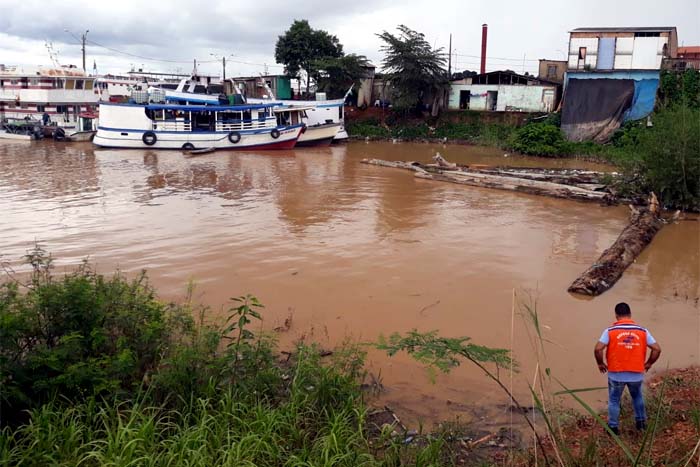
(464, 97)
(548, 99)
(492, 100)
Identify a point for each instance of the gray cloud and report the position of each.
(520, 32)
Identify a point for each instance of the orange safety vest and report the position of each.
(627, 346)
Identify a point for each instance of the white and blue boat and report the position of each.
(181, 120)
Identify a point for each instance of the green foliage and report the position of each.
(301, 47)
(541, 139)
(78, 336)
(680, 88)
(413, 67)
(667, 158)
(336, 74)
(182, 397)
(367, 128)
(443, 353)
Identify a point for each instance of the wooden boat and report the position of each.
(320, 134)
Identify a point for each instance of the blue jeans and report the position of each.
(615, 390)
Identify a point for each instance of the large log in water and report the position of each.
(644, 224)
(446, 172)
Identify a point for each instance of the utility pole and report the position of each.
(223, 60)
(449, 61)
(84, 39)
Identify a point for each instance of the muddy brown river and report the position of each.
(349, 251)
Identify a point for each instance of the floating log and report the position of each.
(644, 224)
(443, 171)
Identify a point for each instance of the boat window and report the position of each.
(58, 84)
(88, 85)
(70, 84)
(34, 82)
(78, 84)
(23, 106)
(62, 109)
(340, 112)
(13, 82)
(41, 108)
(247, 116)
(295, 118)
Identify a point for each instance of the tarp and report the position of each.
(644, 99)
(594, 108)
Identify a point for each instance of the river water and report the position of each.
(342, 250)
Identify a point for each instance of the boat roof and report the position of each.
(292, 108)
(198, 108)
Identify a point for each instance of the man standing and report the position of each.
(627, 344)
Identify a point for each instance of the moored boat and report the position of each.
(319, 134)
(169, 126)
(318, 113)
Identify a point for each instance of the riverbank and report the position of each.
(97, 370)
(661, 155)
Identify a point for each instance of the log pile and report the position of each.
(644, 224)
(558, 183)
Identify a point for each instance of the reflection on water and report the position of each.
(354, 250)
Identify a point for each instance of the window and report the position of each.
(647, 34)
(78, 84)
(41, 108)
(59, 83)
(34, 82)
(13, 82)
(88, 85)
(62, 109)
(70, 84)
(551, 71)
(582, 53)
(23, 106)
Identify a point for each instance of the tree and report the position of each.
(414, 69)
(336, 75)
(300, 47)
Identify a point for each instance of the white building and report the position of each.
(592, 49)
(503, 91)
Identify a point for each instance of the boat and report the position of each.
(52, 98)
(319, 134)
(142, 123)
(319, 113)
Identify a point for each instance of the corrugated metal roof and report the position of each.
(626, 29)
(695, 49)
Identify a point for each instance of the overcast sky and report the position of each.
(167, 35)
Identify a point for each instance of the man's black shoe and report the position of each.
(614, 429)
(641, 425)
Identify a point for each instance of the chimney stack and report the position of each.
(484, 33)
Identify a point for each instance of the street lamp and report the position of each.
(82, 41)
(223, 63)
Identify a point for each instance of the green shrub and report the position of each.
(78, 336)
(461, 131)
(539, 139)
(667, 158)
(369, 127)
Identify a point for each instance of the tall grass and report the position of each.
(207, 395)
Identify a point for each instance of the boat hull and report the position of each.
(15, 136)
(121, 138)
(81, 136)
(318, 135)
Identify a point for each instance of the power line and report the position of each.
(498, 58)
(147, 58)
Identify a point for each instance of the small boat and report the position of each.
(188, 127)
(20, 130)
(15, 136)
(318, 113)
(319, 134)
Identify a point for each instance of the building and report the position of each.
(254, 86)
(595, 49)
(365, 93)
(612, 77)
(552, 70)
(688, 58)
(503, 91)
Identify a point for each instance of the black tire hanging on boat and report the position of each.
(234, 137)
(275, 133)
(59, 134)
(149, 138)
(188, 146)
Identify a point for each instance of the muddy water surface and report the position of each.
(349, 250)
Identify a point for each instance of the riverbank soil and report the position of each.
(673, 410)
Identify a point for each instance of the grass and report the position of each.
(193, 393)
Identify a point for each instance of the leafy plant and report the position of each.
(539, 139)
(413, 67)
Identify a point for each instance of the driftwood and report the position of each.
(644, 224)
(502, 180)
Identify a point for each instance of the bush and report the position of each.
(78, 336)
(540, 139)
(667, 158)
